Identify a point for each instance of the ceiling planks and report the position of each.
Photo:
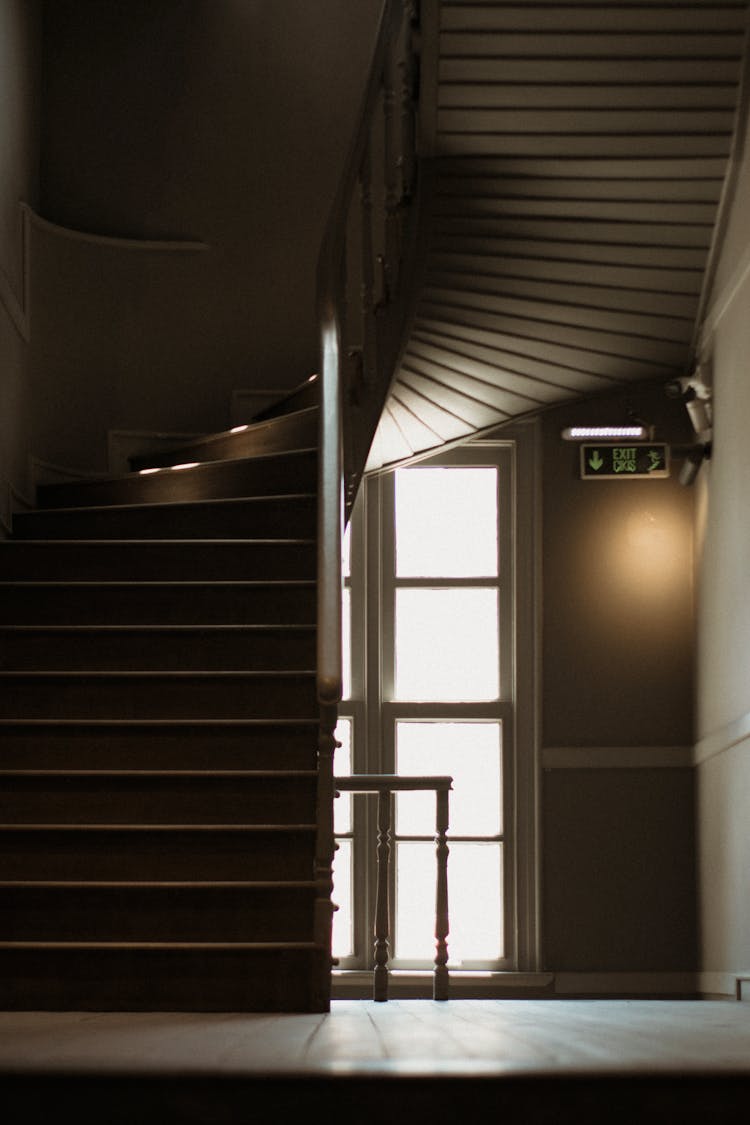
(581, 150)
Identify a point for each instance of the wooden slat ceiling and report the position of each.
(580, 156)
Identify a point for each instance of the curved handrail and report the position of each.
(330, 298)
(341, 441)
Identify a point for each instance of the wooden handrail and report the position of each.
(385, 784)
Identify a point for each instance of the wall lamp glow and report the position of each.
(607, 433)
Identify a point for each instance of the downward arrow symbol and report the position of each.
(595, 461)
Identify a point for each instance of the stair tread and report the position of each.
(179, 724)
(191, 827)
(160, 884)
(108, 582)
(203, 774)
(169, 544)
(262, 627)
(166, 945)
(158, 673)
(221, 501)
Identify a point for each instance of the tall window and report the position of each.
(430, 624)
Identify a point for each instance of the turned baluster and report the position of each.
(380, 981)
(442, 924)
(368, 270)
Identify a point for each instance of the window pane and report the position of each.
(346, 552)
(446, 522)
(342, 767)
(343, 943)
(471, 754)
(346, 643)
(474, 901)
(447, 644)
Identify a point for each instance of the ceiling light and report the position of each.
(606, 433)
(238, 429)
(187, 465)
(145, 472)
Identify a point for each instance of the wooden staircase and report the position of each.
(158, 723)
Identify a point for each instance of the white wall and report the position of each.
(723, 675)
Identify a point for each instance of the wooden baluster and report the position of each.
(391, 170)
(442, 923)
(407, 68)
(368, 271)
(380, 979)
(326, 845)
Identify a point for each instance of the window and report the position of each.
(432, 662)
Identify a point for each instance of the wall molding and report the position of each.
(721, 740)
(18, 307)
(149, 245)
(616, 757)
(357, 984)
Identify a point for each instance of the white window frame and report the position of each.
(374, 713)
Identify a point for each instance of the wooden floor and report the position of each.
(514, 1060)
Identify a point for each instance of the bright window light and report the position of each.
(343, 944)
(474, 899)
(447, 644)
(446, 522)
(470, 753)
(342, 764)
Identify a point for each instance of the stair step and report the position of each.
(259, 517)
(156, 797)
(159, 744)
(144, 647)
(164, 695)
(163, 912)
(271, 474)
(171, 560)
(220, 977)
(287, 433)
(157, 603)
(300, 397)
(127, 853)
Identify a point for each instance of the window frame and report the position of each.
(374, 712)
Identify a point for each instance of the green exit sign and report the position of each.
(623, 462)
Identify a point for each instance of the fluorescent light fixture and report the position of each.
(145, 472)
(187, 465)
(598, 433)
(238, 429)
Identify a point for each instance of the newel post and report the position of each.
(442, 923)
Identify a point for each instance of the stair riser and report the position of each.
(170, 800)
(158, 913)
(273, 518)
(155, 562)
(150, 854)
(267, 477)
(178, 604)
(266, 980)
(134, 746)
(144, 697)
(285, 434)
(130, 650)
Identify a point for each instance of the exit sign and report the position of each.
(623, 462)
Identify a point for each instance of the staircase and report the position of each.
(159, 726)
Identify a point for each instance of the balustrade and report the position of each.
(385, 785)
(383, 155)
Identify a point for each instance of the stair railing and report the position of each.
(385, 784)
(352, 394)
